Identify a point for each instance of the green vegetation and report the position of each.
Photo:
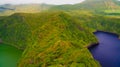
(52, 39)
(97, 22)
(59, 36)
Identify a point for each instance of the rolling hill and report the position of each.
(94, 5)
(98, 6)
(8, 9)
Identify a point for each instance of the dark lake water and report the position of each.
(108, 50)
(9, 56)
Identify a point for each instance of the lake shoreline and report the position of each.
(92, 45)
(107, 50)
(10, 55)
(107, 32)
(95, 44)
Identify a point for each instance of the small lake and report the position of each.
(108, 50)
(9, 56)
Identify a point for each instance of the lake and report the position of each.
(108, 50)
(9, 56)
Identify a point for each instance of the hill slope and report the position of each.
(49, 39)
(55, 38)
(97, 6)
(8, 9)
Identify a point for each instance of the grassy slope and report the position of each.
(97, 22)
(104, 7)
(52, 39)
(98, 5)
(82, 11)
(14, 31)
(56, 38)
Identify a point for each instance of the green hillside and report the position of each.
(109, 7)
(51, 39)
(57, 38)
(58, 35)
(97, 22)
(23, 8)
(102, 7)
(94, 5)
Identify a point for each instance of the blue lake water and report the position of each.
(108, 50)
